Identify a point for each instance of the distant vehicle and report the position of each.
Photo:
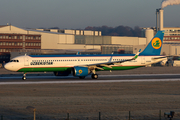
(83, 65)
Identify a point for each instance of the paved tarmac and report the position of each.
(114, 94)
(34, 78)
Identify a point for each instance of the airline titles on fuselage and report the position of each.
(41, 63)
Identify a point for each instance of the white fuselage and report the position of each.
(28, 62)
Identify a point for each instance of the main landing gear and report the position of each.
(24, 76)
(94, 76)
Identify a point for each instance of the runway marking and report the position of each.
(86, 81)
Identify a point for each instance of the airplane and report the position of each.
(83, 65)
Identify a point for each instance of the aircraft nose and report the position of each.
(8, 66)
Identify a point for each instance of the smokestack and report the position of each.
(169, 2)
(161, 22)
(157, 19)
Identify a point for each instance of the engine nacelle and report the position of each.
(62, 73)
(80, 71)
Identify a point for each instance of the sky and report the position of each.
(78, 14)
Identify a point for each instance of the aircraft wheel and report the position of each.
(82, 77)
(94, 76)
(24, 78)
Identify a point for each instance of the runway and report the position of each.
(102, 79)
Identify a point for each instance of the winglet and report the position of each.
(137, 54)
(77, 53)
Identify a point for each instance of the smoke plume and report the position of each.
(169, 2)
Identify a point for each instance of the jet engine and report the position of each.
(80, 71)
(62, 73)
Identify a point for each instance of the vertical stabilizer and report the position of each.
(155, 45)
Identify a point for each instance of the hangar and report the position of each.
(14, 39)
(64, 39)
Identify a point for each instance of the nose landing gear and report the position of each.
(24, 76)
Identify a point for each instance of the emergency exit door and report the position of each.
(142, 60)
(26, 61)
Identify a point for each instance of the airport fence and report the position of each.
(122, 115)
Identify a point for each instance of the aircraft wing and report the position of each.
(107, 64)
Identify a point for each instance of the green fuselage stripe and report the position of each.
(53, 69)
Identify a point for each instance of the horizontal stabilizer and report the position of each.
(159, 58)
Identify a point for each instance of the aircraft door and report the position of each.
(26, 61)
(142, 60)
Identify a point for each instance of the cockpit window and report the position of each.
(14, 61)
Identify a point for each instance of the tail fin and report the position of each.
(155, 45)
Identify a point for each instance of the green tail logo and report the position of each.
(156, 44)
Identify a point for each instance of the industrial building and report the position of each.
(65, 39)
(13, 42)
(21, 41)
(50, 39)
(14, 39)
(172, 34)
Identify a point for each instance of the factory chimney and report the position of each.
(161, 21)
(164, 3)
(157, 20)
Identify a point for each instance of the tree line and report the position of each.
(117, 31)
